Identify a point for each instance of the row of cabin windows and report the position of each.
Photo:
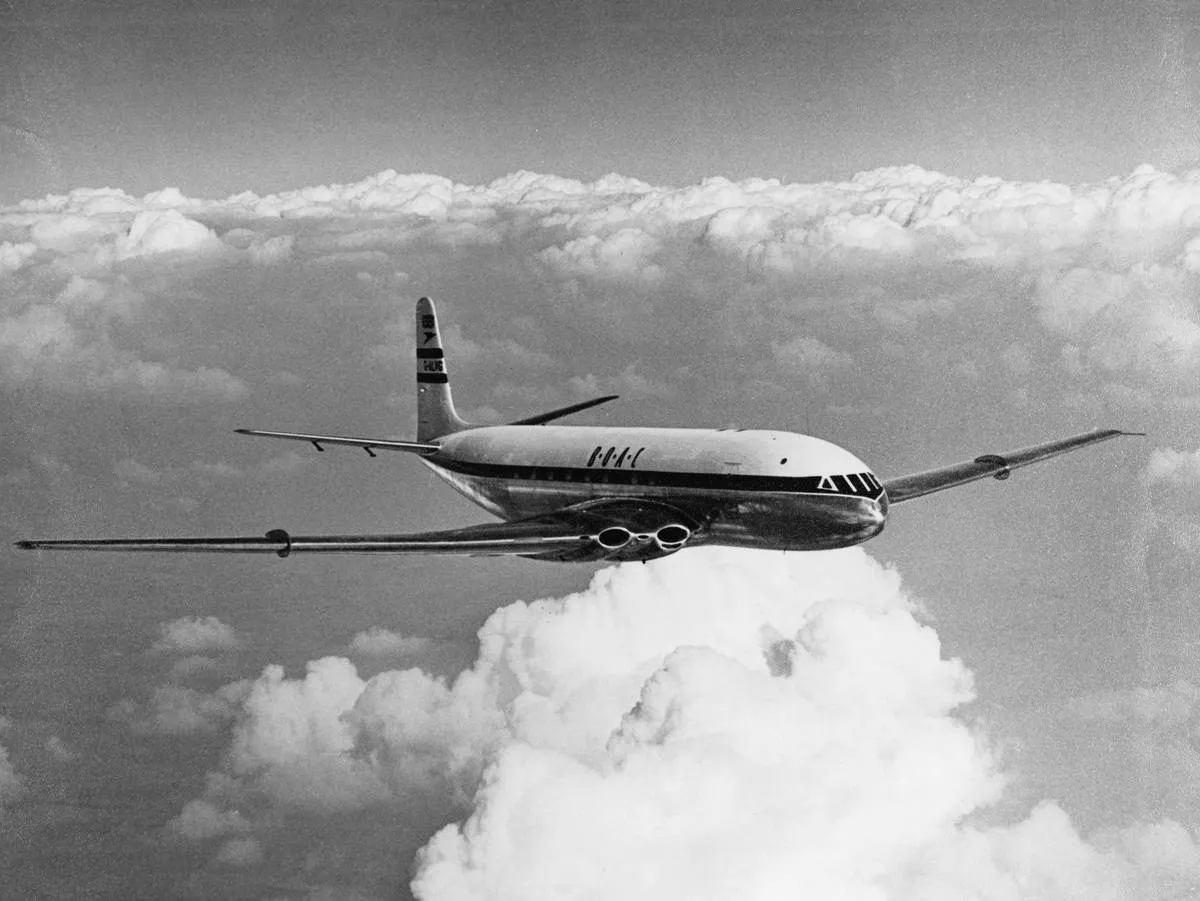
(574, 475)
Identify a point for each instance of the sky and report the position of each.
(221, 97)
(922, 231)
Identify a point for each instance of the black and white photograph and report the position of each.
(479, 450)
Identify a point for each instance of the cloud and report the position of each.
(168, 231)
(82, 286)
(293, 741)
(1103, 275)
(380, 642)
(714, 296)
(1173, 468)
(722, 722)
(200, 820)
(193, 634)
(14, 256)
(834, 761)
(180, 711)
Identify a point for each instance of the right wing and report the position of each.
(603, 529)
(488, 539)
(998, 466)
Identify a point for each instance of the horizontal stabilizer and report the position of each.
(565, 411)
(368, 444)
(997, 466)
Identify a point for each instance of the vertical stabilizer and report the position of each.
(435, 407)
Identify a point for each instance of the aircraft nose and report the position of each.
(871, 516)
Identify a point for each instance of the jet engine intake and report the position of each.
(621, 543)
(672, 537)
(614, 538)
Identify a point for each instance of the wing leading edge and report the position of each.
(997, 466)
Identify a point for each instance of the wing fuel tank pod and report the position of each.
(996, 460)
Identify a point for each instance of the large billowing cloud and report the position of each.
(715, 723)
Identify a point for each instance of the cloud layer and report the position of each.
(1105, 274)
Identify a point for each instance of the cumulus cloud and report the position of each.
(193, 634)
(717, 723)
(291, 738)
(166, 231)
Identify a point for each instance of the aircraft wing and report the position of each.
(998, 466)
(367, 444)
(488, 539)
(602, 529)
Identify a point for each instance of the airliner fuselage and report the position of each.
(750, 488)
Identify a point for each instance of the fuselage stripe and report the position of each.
(430, 353)
(648, 478)
(437, 378)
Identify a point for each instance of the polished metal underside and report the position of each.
(773, 520)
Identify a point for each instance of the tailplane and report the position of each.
(436, 415)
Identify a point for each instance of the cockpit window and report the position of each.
(863, 484)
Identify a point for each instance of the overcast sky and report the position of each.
(922, 231)
(236, 95)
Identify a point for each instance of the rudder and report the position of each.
(436, 415)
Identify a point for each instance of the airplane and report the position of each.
(603, 493)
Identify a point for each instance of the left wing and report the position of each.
(998, 466)
(367, 444)
(564, 411)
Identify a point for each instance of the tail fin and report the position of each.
(436, 415)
